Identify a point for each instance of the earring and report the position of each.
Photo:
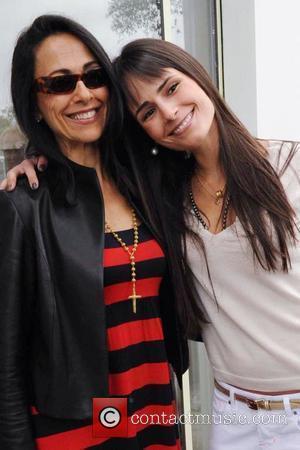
(187, 155)
(154, 151)
(38, 118)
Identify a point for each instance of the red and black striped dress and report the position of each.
(137, 358)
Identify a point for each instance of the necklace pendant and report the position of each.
(131, 255)
(219, 196)
(134, 297)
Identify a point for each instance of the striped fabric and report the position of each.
(137, 359)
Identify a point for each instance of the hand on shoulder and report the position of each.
(28, 167)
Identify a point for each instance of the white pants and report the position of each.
(237, 427)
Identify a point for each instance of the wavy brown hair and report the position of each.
(257, 195)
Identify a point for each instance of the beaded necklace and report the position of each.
(131, 254)
(199, 216)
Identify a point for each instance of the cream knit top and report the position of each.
(253, 339)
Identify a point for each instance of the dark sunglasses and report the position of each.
(64, 84)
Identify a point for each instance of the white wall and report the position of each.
(261, 40)
(238, 22)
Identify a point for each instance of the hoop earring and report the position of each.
(154, 151)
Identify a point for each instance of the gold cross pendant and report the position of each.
(134, 297)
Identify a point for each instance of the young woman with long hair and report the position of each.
(234, 203)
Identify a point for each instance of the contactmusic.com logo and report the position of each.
(110, 417)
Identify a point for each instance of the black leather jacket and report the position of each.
(52, 318)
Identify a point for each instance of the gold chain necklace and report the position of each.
(131, 254)
(218, 195)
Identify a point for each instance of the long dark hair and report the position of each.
(257, 195)
(24, 99)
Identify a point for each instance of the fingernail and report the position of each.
(42, 167)
(34, 186)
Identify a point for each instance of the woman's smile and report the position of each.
(183, 125)
(85, 117)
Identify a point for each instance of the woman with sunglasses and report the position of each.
(235, 203)
(86, 305)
